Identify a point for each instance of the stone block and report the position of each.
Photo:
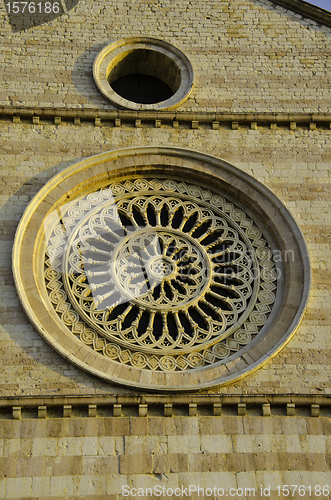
(31, 466)
(217, 409)
(91, 486)
(42, 411)
(18, 487)
(136, 464)
(193, 410)
(216, 444)
(315, 410)
(100, 465)
(241, 409)
(8, 467)
(139, 426)
(290, 409)
(92, 410)
(41, 447)
(64, 466)
(156, 426)
(62, 486)
(119, 426)
(108, 445)
(184, 444)
(266, 410)
(205, 425)
(41, 486)
(17, 412)
(117, 410)
(172, 463)
(143, 409)
(89, 446)
(168, 410)
(115, 482)
(209, 463)
(67, 409)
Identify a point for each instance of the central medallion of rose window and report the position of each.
(160, 268)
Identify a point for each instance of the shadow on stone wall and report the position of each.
(82, 77)
(29, 365)
(35, 13)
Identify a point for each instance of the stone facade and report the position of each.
(278, 158)
(103, 457)
(247, 55)
(261, 101)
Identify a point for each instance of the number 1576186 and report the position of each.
(33, 8)
(315, 491)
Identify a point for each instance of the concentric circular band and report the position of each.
(152, 281)
(163, 61)
(219, 276)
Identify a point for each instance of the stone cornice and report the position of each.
(306, 10)
(174, 119)
(164, 405)
(178, 399)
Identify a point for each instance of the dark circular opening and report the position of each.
(145, 76)
(144, 89)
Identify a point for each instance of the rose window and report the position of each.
(150, 267)
(161, 268)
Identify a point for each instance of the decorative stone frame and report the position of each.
(178, 64)
(98, 172)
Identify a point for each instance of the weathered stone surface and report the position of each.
(248, 56)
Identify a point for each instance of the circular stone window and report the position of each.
(162, 276)
(143, 73)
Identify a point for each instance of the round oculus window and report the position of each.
(143, 73)
(168, 281)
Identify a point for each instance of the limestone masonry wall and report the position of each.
(299, 175)
(65, 434)
(248, 55)
(95, 458)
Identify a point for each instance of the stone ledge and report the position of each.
(192, 120)
(179, 399)
(164, 405)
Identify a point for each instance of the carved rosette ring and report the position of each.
(158, 274)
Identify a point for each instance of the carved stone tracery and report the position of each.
(159, 274)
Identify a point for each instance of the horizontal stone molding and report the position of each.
(117, 118)
(203, 399)
(152, 404)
